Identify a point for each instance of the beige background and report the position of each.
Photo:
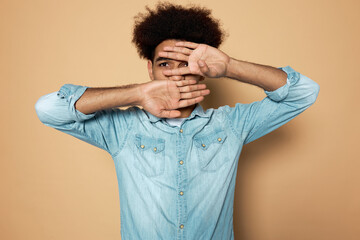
(300, 182)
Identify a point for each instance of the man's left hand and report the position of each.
(202, 60)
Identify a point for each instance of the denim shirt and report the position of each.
(177, 182)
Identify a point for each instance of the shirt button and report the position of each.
(219, 139)
(154, 149)
(203, 145)
(142, 146)
(181, 193)
(181, 162)
(181, 226)
(181, 130)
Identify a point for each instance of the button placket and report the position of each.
(182, 183)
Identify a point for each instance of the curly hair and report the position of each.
(170, 21)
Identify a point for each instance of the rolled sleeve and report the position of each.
(282, 92)
(71, 93)
(252, 121)
(106, 129)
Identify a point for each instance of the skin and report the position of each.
(207, 61)
(174, 88)
(164, 96)
(157, 66)
(175, 60)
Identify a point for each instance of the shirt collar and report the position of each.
(198, 110)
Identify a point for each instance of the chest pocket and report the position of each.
(211, 150)
(150, 155)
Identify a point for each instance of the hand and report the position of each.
(162, 97)
(202, 59)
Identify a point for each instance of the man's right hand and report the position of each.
(162, 97)
(159, 97)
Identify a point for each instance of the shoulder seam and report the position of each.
(230, 124)
(131, 110)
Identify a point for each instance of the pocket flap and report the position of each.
(144, 143)
(205, 140)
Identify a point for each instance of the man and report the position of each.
(176, 163)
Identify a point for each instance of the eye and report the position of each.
(163, 64)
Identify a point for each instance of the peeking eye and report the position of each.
(163, 64)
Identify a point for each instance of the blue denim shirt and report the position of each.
(177, 182)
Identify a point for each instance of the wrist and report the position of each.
(139, 93)
(231, 70)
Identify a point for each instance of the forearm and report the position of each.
(266, 77)
(95, 99)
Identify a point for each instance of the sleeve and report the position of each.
(254, 120)
(106, 129)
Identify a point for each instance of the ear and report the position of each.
(150, 70)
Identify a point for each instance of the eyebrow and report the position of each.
(162, 58)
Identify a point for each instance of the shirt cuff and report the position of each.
(282, 92)
(71, 93)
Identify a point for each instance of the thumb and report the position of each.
(204, 67)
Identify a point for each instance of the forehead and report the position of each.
(165, 43)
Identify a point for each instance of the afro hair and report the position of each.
(170, 21)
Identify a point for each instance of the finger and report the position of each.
(190, 88)
(187, 44)
(188, 102)
(194, 94)
(185, 82)
(170, 113)
(182, 50)
(174, 55)
(176, 78)
(203, 67)
(177, 71)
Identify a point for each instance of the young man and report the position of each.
(176, 163)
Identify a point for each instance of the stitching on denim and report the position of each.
(231, 126)
(126, 136)
(64, 90)
(90, 139)
(278, 104)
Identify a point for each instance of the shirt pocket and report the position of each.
(150, 155)
(211, 150)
